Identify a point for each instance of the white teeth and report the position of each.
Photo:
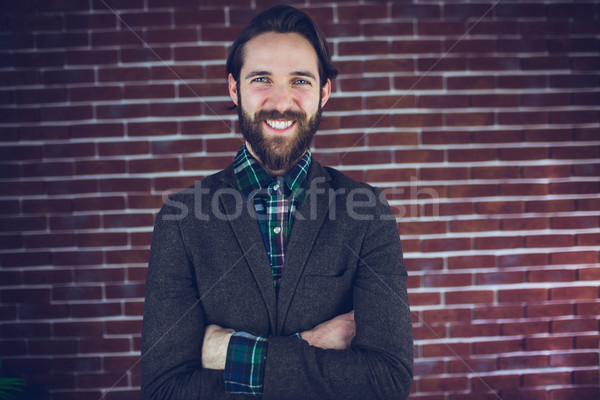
(279, 124)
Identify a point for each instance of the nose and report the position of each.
(281, 98)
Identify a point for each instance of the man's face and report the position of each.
(282, 98)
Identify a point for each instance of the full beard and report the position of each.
(278, 153)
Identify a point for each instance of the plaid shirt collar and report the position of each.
(252, 179)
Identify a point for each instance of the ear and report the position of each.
(325, 92)
(233, 90)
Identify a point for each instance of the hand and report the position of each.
(337, 333)
(214, 347)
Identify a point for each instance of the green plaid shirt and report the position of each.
(275, 201)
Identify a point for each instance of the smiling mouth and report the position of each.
(279, 124)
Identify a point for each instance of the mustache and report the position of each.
(289, 115)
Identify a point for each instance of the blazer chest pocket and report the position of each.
(327, 295)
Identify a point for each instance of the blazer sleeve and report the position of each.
(173, 325)
(379, 363)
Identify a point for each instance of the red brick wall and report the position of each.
(479, 119)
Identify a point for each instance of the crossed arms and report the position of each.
(187, 303)
(335, 334)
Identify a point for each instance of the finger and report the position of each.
(347, 317)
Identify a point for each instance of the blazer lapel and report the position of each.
(247, 232)
(307, 223)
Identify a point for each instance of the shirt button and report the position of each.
(277, 230)
(276, 187)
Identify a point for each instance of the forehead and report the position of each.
(278, 52)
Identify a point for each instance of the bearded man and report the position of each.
(290, 284)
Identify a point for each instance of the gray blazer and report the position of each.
(208, 264)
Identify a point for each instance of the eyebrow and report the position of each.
(257, 73)
(303, 73)
(267, 73)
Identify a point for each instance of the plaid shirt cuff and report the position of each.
(245, 364)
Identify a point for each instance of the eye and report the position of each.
(302, 82)
(261, 79)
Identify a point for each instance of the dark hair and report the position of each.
(282, 19)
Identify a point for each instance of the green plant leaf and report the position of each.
(8, 385)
